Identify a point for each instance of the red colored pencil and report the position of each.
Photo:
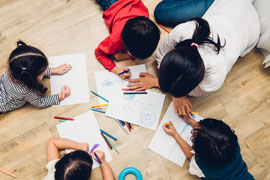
(128, 127)
(58, 117)
(106, 140)
(124, 89)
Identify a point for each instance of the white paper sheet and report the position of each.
(109, 84)
(84, 128)
(140, 109)
(164, 144)
(75, 79)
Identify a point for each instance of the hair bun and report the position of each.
(20, 43)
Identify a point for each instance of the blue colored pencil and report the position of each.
(108, 134)
(121, 122)
(98, 158)
(98, 110)
(122, 72)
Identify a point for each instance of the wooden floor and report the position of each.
(60, 27)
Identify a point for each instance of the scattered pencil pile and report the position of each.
(106, 136)
(99, 108)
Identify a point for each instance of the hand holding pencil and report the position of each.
(99, 156)
(65, 92)
(123, 73)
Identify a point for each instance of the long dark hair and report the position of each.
(26, 63)
(182, 69)
(214, 142)
(73, 166)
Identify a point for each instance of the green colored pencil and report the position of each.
(62, 120)
(99, 96)
(111, 144)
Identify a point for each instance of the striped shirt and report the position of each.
(14, 94)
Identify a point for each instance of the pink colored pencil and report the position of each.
(8, 173)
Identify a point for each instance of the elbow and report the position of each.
(189, 156)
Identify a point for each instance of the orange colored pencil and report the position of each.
(164, 28)
(8, 173)
(132, 126)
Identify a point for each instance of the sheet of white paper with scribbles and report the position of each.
(84, 129)
(75, 79)
(140, 109)
(164, 144)
(109, 84)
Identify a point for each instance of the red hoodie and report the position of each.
(116, 17)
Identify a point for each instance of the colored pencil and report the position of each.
(164, 28)
(99, 105)
(111, 144)
(62, 120)
(99, 96)
(125, 89)
(65, 118)
(132, 126)
(98, 110)
(167, 124)
(104, 132)
(121, 122)
(128, 127)
(122, 72)
(129, 124)
(7, 172)
(136, 92)
(64, 91)
(98, 158)
(118, 122)
(106, 140)
(195, 113)
(94, 147)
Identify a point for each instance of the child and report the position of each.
(197, 55)
(132, 34)
(75, 165)
(21, 82)
(216, 150)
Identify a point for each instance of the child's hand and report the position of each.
(123, 76)
(100, 155)
(65, 92)
(84, 147)
(62, 69)
(146, 81)
(169, 129)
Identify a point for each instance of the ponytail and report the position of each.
(201, 35)
(26, 63)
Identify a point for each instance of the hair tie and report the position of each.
(23, 69)
(194, 44)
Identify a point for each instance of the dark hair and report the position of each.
(214, 142)
(140, 36)
(182, 69)
(26, 63)
(73, 166)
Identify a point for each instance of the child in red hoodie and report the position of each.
(132, 34)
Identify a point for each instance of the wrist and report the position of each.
(115, 70)
(156, 83)
(60, 97)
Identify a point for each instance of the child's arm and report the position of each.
(186, 148)
(103, 52)
(62, 69)
(107, 172)
(55, 144)
(45, 101)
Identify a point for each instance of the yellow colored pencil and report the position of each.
(99, 105)
(195, 113)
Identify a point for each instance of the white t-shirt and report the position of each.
(51, 169)
(194, 168)
(236, 22)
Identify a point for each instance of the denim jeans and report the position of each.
(174, 12)
(105, 4)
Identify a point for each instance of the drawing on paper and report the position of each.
(129, 97)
